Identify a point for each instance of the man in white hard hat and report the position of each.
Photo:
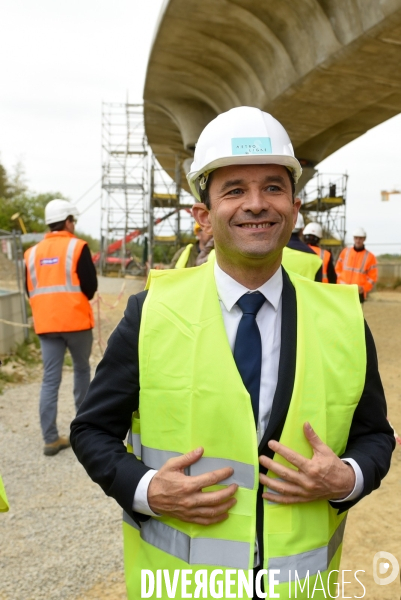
(60, 280)
(357, 265)
(211, 367)
(298, 257)
(312, 235)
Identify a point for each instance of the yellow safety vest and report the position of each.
(3, 497)
(191, 395)
(183, 258)
(303, 263)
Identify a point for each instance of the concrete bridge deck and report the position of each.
(329, 70)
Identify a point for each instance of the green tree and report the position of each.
(4, 184)
(31, 208)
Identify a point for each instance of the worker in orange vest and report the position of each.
(60, 281)
(312, 234)
(357, 265)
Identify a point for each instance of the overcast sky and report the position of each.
(59, 60)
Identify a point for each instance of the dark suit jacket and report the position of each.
(102, 423)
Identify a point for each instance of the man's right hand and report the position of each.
(177, 495)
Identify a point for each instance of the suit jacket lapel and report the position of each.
(286, 369)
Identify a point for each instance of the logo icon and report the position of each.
(382, 561)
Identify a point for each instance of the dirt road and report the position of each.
(61, 538)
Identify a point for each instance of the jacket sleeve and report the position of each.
(87, 273)
(371, 439)
(331, 273)
(104, 418)
(371, 273)
(319, 274)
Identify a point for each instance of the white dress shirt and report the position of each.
(269, 323)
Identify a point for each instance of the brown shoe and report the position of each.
(55, 447)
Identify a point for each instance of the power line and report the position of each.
(87, 191)
(89, 205)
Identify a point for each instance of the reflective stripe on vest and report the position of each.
(309, 562)
(134, 440)
(195, 551)
(243, 474)
(353, 269)
(54, 289)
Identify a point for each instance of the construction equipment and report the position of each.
(20, 221)
(386, 195)
(129, 262)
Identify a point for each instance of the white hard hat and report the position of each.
(359, 232)
(58, 210)
(313, 229)
(300, 224)
(241, 136)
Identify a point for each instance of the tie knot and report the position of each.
(250, 304)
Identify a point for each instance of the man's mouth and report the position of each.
(256, 225)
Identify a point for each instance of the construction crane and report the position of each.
(118, 245)
(386, 195)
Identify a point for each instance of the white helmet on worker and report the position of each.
(58, 210)
(300, 224)
(241, 136)
(313, 229)
(359, 232)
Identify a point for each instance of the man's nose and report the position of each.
(255, 201)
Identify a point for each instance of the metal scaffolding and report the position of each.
(140, 200)
(124, 176)
(323, 201)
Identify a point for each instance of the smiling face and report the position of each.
(252, 213)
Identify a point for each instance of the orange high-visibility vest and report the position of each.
(55, 295)
(325, 256)
(357, 267)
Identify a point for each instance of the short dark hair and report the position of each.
(60, 225)
(205, 197)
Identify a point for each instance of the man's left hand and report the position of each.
(322, 477)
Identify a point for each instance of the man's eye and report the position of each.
(273, 188)
(234, 192)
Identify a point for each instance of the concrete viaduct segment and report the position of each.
(329, 70)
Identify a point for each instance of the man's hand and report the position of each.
(360, 289)
(177, 495)
(323, 477)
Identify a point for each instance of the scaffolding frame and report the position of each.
(324, 202)
(140, 199)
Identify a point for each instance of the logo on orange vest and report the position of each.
(48, 261)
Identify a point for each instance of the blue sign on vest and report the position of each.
(48, 261)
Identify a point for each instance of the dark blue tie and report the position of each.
(248, 347)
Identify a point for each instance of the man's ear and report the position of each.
(297, 205)
(201, 213)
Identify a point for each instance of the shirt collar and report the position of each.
(230, 291)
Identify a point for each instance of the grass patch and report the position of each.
(67, 360)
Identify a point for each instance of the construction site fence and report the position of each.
(389, 274)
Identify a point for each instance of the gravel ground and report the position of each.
(62, 533)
